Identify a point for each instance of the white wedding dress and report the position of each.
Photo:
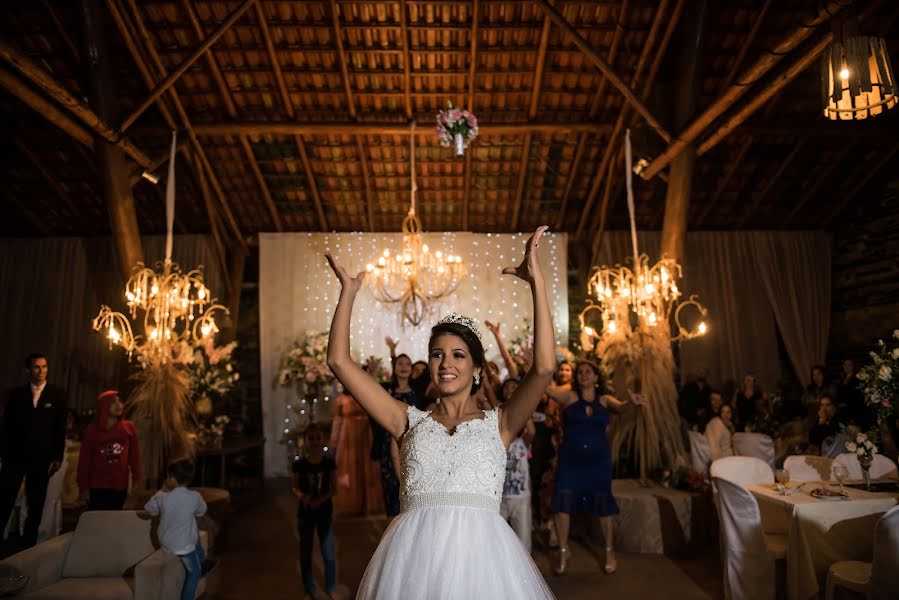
(449, 542)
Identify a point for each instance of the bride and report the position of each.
(449, 541)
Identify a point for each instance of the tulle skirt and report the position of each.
(451, 553)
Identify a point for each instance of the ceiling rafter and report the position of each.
(611, 147)
(60, 192)
(724, 182)
(198, 151)
(231, 108)
(407, 79)
(172, 77)
(472, 71)
(772, 181)
(357, 128)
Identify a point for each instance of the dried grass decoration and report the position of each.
(162, 410)
(642, 361)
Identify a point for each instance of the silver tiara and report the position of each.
(462, 320)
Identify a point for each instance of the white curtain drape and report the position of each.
(52, 290)
(754, 284)
(298, 293)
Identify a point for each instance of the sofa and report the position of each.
(109, 556)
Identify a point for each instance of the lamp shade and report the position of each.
(857, 79)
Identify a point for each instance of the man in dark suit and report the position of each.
(32, 442)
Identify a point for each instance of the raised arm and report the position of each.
(563, 396)
(510, 364)
(614, 404)
(527, 395)
(381, 406)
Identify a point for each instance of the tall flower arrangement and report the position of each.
(864, 449)
(456, 126)
(211, 370)
(880, 380)
(304, 368)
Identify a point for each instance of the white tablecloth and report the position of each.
(643, 514)
(820, 532)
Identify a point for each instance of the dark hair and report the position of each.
(394, 382)
(559, 366)
(182, 471)
(600, 380)
(33, 357)
(475, 348)
(502, 388)
(820, 368)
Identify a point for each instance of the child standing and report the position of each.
(314, 484)
(178, 509)
(516, 503)
(109, 451)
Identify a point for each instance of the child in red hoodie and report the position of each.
(108, 451)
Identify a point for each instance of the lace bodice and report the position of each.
(465, 468)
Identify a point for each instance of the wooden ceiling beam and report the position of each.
(341, 54)
(369, 201)
(472, 71)
(747, 44)
(611, 147)
(407, 78)
(724, 183)
(603, 66)
(291, 113)
(594, 112)
(762, 97)
(768, 60)
(200, 155)
(772, 181)
(870, 170)
(522, 179)
(63, 32)
(172, 77)
(819, 183)
(52, 181)
(45, 108)
(41, 78)
(353, 128)
(231, 108)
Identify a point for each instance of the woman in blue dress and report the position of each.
(584, 471)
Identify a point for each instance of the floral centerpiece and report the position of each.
(864, 449)
(456, 126)
(880, 380)
(682, 478)
(211, 372)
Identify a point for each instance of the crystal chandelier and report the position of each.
(175, 307)
(414, 276)
(644, 299)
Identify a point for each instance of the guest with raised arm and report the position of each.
(511, 365)
(584, 471)
(453, 458)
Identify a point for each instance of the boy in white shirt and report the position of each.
(178, 509)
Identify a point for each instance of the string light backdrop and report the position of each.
(298, 293)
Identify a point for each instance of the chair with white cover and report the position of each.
(880, 467)
(748, 554)
(700, 453)
(879, 579)
(758, 445)
(809, 468)
(742, 470)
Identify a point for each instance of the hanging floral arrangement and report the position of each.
(880, 380)
(456, 126)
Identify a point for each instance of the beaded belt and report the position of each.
(432, 499)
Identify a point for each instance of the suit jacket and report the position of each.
(34, 435)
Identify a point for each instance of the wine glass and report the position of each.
(783, 478)
(840, 473)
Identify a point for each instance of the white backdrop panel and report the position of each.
(298, 292)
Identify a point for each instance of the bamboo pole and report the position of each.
(603, 66)
(60, 94)
(352, 128)
(172, 77)
(756, 71)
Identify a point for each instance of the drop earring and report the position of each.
(477, 379)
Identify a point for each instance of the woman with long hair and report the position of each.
(449, 541)
(584, 469)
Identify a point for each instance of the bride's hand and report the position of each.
(529, 266)
(350, 284)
